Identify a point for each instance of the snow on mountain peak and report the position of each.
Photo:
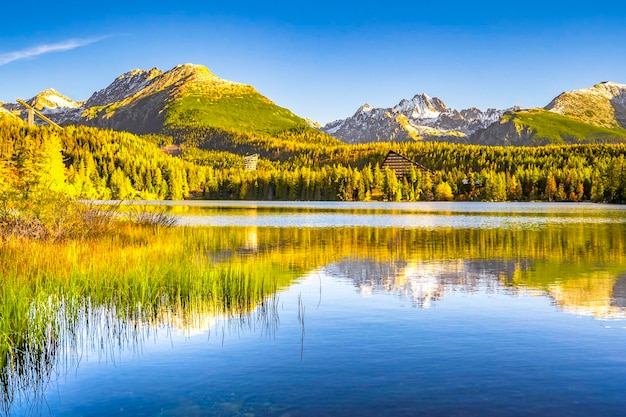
(366, 108)
(52, 99)
(420, 107)
(419, 116)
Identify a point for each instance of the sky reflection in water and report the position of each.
(394, 322)
(406, 215)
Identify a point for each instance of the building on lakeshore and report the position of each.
(401, 165)
(250, 162)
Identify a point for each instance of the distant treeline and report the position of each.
(460, 172)
(299, 164)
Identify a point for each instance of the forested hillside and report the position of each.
(299, 165)
(462, 172)
(92, 163)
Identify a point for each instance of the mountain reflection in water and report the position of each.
(166, 284)
(425, 282)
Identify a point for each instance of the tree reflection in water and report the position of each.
(64, 300)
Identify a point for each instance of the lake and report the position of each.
(400, 309)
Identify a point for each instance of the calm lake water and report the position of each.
(433, 309)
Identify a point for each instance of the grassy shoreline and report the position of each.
(124, 278)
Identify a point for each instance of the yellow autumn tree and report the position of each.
(443, 192)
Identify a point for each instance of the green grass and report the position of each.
(129, 280)
(247, 112)
(133, 278)
(553, 128)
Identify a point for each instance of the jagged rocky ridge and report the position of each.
(139, 100)
(98, 109)
(422, 117)
(53, 104)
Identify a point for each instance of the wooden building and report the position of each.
(401, 165)
(250, 162)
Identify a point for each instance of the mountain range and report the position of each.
(154, 101)
(595, 114)
(189, 98)
(422, 117)
(588, 115)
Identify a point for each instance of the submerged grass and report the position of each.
(58, 294)
(122, 279)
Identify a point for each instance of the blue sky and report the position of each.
(323, 59)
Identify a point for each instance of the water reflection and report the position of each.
(618, 295)
(99, 333)
(208, 207)
(169, 283)
(359, 214)
(425, 282)
(580, 268)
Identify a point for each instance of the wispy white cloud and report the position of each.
(68, 45)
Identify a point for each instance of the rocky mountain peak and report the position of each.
(124, 86)
(604, 104)
(312, 123)
(188, 79)
(610, 88)
(193, 73)
(191, 68)
(421, 106)
(143, 83)
(366, 108)
(415, 119)
(143, 101)
(52, 99)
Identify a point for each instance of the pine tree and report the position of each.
(551, 188)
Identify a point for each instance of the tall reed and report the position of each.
(119, 282)
(58, 294)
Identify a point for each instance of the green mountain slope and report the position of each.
(190, 96)
(554, 128)
(197, 109)
(591, 115)
(204, 100)
(247, 112)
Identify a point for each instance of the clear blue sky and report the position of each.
(322, 59)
